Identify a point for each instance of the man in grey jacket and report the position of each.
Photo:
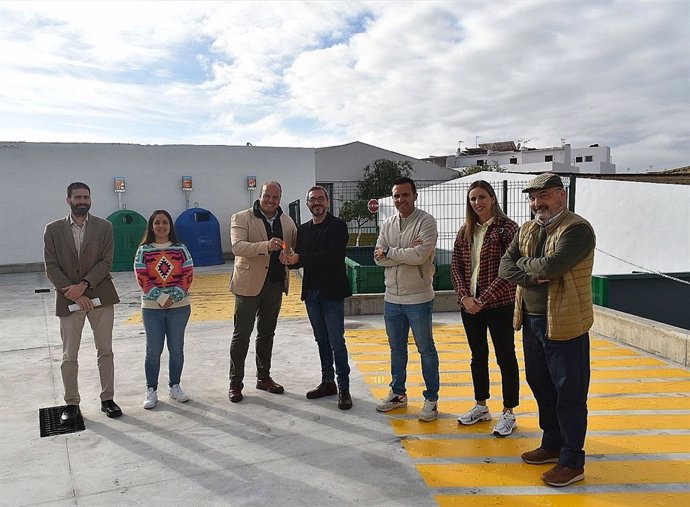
(406, 247)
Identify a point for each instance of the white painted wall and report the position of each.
(647, 224)
(36, 175)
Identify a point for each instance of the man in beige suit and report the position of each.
(78, 254)
(258, 281)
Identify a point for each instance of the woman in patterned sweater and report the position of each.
(163, 268)
(486, 301)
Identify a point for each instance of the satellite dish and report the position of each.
(518, 146)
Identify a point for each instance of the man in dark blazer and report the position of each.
(78, 254)
(320, 251)
(257, 235)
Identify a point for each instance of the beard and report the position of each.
(80, 210)
(317, 211)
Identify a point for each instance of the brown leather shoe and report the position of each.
(267, 384)
(344, 399)
(560, 476)
(323, 389)
(235, 392)
(540, 456)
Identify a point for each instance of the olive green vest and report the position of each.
(569, 303)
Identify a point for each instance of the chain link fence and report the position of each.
(445, 201)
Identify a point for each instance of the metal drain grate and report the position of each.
(49, 422)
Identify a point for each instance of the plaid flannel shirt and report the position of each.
(494, 292)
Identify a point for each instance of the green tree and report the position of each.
(377, 182)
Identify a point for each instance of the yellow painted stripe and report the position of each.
(384, 354)
(588, 499)
(530, 405)
(466, 377)
(594, 388)
(522, 474)
(595, 444)
(529, 424)
(212, 301)
(462, 356)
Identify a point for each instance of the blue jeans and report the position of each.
(558, 373)
(327, 317)
(170, 322)
(399, 319)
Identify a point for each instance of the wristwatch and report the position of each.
(88, 284)
(385, 251)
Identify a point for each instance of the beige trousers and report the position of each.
(101, 321)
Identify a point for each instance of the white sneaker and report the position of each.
(391, 402)
(476, 414)
(429, 411)
(176, 393)
(505, 425)
(151, 398)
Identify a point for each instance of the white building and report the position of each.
(593, 159)
(35, 177)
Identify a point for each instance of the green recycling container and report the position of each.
(128, 229)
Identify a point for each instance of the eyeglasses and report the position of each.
(317, 199)
(544, 194)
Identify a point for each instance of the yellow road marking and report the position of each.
(212, 301)
(472, 475)
(595, 444)
(569, 500)
(446, 426)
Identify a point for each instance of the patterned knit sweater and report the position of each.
(163, 268)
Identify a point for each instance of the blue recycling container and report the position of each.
(199, 230)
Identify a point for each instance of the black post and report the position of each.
(571, 193)
(505, 197)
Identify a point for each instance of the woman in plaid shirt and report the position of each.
(486, 302)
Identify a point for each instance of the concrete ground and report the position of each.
(287, 450)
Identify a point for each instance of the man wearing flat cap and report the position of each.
(550, 260)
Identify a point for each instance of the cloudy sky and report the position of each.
(412, 77)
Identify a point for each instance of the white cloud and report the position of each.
(413, 77)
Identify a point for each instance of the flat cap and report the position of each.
(546, 180)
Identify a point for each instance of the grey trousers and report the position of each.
(264, 309)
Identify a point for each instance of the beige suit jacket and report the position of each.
(64, 267)
(250, 247)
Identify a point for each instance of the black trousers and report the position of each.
(264, 309)
(499, 322)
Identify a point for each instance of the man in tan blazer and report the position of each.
(78, 254)
(258, 281)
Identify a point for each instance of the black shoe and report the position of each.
(323, 389)
(235, 392)
(268, 384)
(70, 415)
(344, 399)
(110, 408)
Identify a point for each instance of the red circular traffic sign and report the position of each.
(373, 205)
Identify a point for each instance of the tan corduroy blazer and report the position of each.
(64, 267)
(250, 247)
